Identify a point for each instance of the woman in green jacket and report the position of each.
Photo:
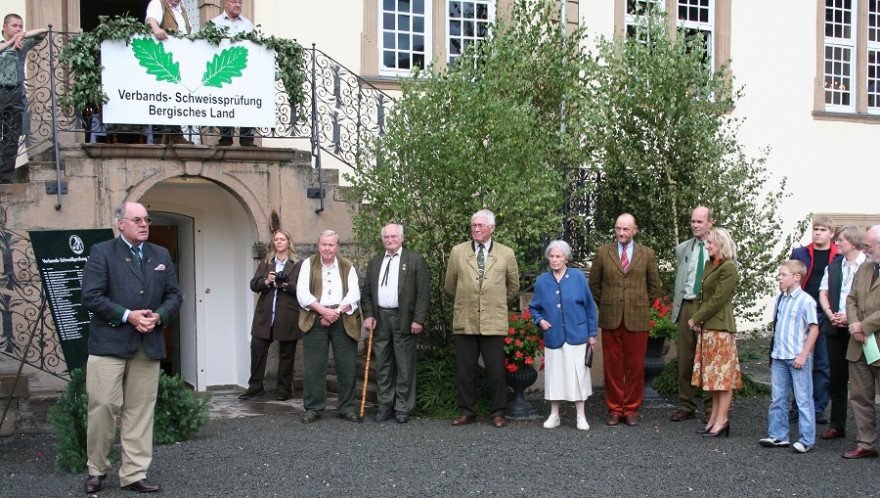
(716, 365)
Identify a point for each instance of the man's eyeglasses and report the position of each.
(137, 220)
(865, 247)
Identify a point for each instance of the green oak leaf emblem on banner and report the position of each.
(228, 64)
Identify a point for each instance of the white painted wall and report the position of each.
(336, 26)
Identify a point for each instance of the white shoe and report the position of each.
(582, 424)
(552, 422)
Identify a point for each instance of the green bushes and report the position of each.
(179, 415)
(437, 391)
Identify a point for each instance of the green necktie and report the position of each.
(699, 270)
(481, 260)
(137, 255)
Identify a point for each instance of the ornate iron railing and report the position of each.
(341, 112)
(27, 331)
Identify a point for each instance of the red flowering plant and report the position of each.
(661, 323)
(524, 342)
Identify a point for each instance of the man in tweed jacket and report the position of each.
(624, 280)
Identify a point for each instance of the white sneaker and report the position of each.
(582, 424)
(552, 422)
(770, 442)
(800, 447)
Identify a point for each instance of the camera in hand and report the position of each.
(281, 277)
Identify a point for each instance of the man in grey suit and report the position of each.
(690, 259)
(130, 287)
(394, 299)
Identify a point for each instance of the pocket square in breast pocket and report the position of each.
(161, 267)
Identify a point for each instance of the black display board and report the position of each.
(61, 256)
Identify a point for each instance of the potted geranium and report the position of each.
(524, 342)
(661, 327)
(522, 346)
(661, 324)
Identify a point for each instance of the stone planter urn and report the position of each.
(654, 365)
(520, 380)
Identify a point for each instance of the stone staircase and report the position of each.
(28, 400)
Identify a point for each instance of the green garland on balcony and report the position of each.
(83, 55)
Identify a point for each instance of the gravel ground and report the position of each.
(276, 455)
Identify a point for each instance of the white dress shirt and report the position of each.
(331, 287)
(388, 297)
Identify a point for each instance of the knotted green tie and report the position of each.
(699, 270)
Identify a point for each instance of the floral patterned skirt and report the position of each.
(716, 362)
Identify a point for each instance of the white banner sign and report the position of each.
(188, 82)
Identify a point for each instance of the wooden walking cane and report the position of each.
(366, 376)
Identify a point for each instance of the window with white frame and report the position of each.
(692, 18)
(840, 52)
(635, 9)
(467, 22)
(874, 57)
(697, 18)
(405, 34)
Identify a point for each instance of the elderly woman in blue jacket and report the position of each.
(563, 307)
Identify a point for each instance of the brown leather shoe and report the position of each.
(631, 420)
(95, 483)
(681, 415)
(833, 434)
(464, 420)
(613, 419)
(859, 452)
(142, 486)
(499, 421)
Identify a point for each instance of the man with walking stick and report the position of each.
(395, 297)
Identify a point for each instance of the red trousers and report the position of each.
(623, 352)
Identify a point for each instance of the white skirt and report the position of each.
(566, 378)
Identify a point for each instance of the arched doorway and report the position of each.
(215, 235)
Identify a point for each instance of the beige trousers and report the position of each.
(863, 379)
(123, 388)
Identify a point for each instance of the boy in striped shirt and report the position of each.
(795, 331)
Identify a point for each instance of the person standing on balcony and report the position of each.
(235, 23)
(13, 99)
(165, 15)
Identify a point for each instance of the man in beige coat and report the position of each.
(482, 277)
(863, 314)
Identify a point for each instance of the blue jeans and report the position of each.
(785, 378)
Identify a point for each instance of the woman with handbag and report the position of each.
(716, 362)
(564, 309)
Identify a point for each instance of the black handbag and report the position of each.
(588, 361)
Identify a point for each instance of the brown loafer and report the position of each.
(499, 421)
(143, 486)
(859, 452)
(464, 420)
(681, 415)
(631, 420)
(95, 483)
(833, 434)
(613, 419)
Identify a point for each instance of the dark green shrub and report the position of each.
(437, 389)
(68, 419)
(179, 415)
(667, 383)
